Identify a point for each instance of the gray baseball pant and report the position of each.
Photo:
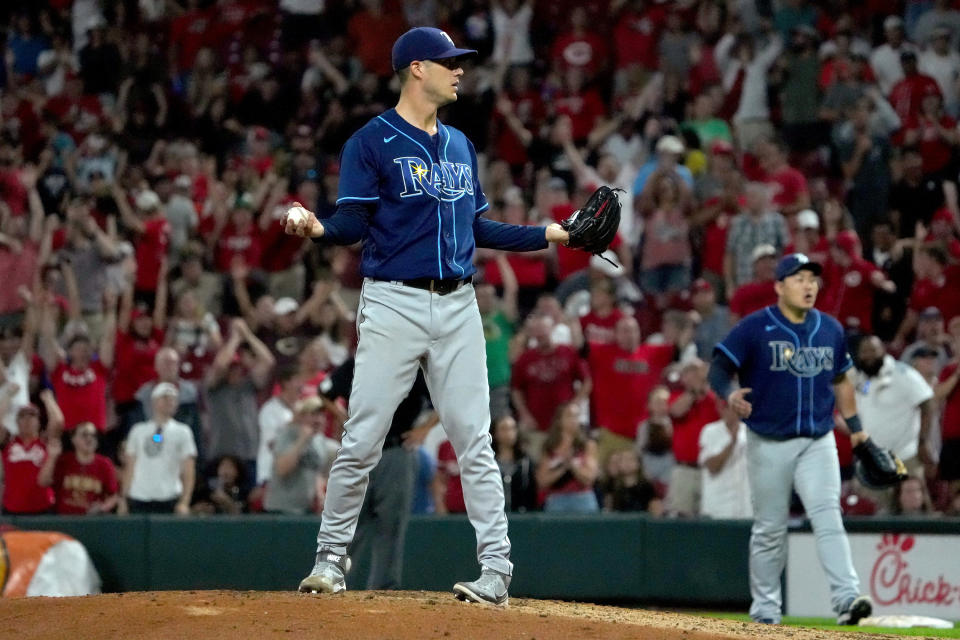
(811, 466)
(402, 328)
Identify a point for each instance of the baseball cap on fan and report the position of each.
(670, 144)
(763, 251)
(148, 201)
(283, 306)
(425, 43)
(791, 264)
(808, 219)
(165, 389)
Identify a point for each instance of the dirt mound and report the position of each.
(212, 615)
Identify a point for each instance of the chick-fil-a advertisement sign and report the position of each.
(903, 573)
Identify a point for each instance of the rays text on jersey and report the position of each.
(805, 362)
(447, 181)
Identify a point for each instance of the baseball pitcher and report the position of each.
(409, 188)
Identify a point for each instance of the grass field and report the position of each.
(827, 624)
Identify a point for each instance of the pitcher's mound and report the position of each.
(215, 615)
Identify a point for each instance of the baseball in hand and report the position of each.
(301, 222)
(297, 215)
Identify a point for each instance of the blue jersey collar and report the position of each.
(418, 134)
(807, 323)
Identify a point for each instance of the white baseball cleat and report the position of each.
(490, 589)
(327, 575)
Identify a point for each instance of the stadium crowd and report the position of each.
(165, 345)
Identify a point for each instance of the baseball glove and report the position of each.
(593, 227)
(876, 468)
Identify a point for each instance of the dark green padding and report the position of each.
(605, 557)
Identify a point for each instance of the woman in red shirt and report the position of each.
(26, 460)
(80, 382)
(83, 480)
(568, 467)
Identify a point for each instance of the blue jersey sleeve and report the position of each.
(348, 224)
(507, 237)
(721, 374)
(359, 173)
(842, 356)
(736, 346)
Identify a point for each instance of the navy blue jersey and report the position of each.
(424, 202)
(791, 368)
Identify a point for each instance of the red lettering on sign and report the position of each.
(892, 583)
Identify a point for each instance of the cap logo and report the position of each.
(802, 259)
(449, 39)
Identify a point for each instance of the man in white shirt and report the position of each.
(167, 366)
(276, 413)
(723, 467)
(896, 402)
(158, 470)
(885, 60)
(744, 65)
(511, 32)
(943, 65)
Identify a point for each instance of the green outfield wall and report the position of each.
(608, 557)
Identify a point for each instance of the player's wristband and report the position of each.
(853, 423)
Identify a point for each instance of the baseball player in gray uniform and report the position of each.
(791, 361)
(409, 189)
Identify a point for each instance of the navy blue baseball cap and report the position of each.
(425, 43)
(790, 264)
